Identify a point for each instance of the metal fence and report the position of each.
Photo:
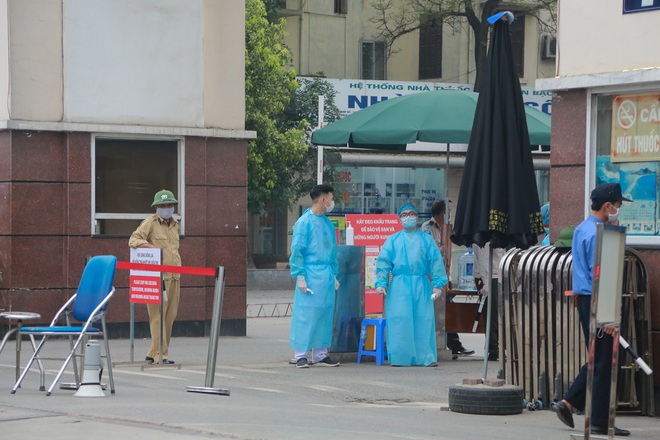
(542, 347)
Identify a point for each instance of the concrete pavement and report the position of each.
(270, 399)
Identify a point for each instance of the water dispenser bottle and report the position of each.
(465, 274)
(350, 234)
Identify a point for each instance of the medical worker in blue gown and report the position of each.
(314, 266)
(411, 256)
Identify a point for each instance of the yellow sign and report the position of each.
(635, 128)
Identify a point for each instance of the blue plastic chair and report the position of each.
(379, 336)
(87, 306)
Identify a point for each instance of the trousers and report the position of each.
(600, 394)
(170, 308)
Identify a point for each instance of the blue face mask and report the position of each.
(165, 213)
(409, 222)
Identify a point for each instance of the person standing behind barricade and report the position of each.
(481, 275)
(605, 203)
(314, 266)
(161, 230)
(434, 228)
(411, 256)
(545, 218)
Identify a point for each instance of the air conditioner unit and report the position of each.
(548, 47)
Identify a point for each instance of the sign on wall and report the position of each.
(630, 6)
(355, 94)
(635, 128)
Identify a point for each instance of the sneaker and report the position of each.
(149, 360)
(167, 361)
(302, 363)
(462, 351)
(327, 362)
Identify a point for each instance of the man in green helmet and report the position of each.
(161, 230)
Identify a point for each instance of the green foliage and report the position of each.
(269, 86)
(281, 166)
(303, 108)
(304, 105)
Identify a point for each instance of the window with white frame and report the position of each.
(127, 172)
(373, 58)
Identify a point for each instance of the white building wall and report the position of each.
(133, 63)
(590, 38)
(35, 83)
(4, 60)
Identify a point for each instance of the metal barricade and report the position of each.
(541, 343)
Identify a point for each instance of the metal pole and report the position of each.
(489, 284)
(319, 151)
(448, 216)
(213, 338)
(163, 293)
(132, 331)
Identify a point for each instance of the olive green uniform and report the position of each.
(164, 235)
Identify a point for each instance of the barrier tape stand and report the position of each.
(219, 274)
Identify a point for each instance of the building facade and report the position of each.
(340, 40)
(606, 115)
(108, 102)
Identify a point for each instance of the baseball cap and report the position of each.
(565, 239)
(164, 197)
(608, 192)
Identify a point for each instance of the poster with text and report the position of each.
(636, 128)
(639, 182)
(371, 231)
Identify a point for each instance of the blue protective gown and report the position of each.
(410, 330)
(313, 255)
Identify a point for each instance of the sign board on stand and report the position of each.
(145, 286)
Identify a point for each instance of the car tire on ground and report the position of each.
(483, 399)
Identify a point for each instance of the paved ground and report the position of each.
(270, 399)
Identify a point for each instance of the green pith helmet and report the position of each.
(164, 197)
(565, 239)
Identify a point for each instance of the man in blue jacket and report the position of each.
(605, 204)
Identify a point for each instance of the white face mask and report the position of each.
(613, 217)
(409, 222)
(165, 213)
(329, 208)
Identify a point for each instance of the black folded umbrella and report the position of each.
(498, 200)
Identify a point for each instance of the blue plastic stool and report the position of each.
(379, 336)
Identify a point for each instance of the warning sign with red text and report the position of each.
(371, 231)
(145, 286)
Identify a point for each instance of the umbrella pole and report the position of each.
(448, 216)
(319, 151)
(489, 283)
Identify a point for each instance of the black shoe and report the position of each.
(600, 430)
(168, 361)
(454, 357)
(462, 351)
(327, 362)
(565, 415)
(302, 363)
(149, 360)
